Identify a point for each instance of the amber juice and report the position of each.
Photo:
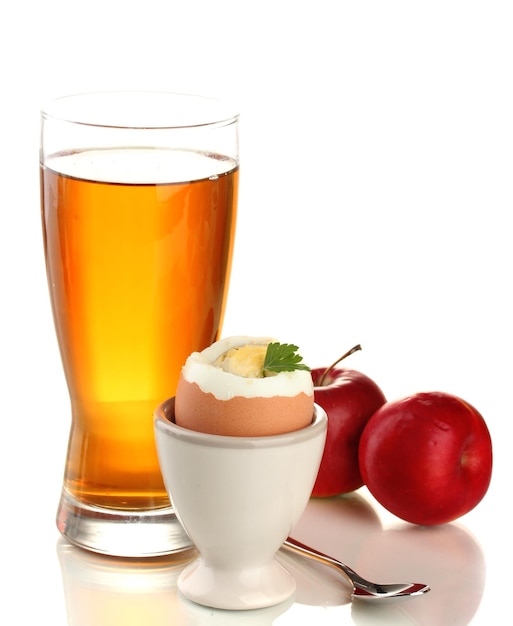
(138, 272)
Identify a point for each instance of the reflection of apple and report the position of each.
(340, 527)
(349, 399)
(427, 458)
(445, 557)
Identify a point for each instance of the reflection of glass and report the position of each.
(139, 194)
(105, 591)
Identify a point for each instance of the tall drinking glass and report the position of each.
(139, 195)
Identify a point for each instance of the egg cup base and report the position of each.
(236, 589)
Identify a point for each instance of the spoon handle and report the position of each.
(301, 548)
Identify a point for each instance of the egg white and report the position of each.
(200, 368)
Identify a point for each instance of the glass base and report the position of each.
(121, 533)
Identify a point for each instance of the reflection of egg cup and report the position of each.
(238, 499)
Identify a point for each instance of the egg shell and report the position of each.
(240, 416)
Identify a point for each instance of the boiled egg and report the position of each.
(224, 390)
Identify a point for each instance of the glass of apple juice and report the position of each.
(139, 200)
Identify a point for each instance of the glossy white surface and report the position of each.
(375, 208)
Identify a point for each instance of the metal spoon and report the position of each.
(361, 588)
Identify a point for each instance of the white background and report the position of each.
(375, 201)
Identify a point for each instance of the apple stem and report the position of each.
(328, 370)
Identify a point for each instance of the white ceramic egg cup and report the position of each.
(238, 499)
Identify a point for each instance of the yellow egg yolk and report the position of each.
(246, 361)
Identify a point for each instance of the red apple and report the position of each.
(427, 458)
(349, 398)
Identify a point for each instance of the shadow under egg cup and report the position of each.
(238, 499)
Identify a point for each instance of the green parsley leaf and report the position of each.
(282, 357)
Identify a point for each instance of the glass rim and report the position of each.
(139, 110)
